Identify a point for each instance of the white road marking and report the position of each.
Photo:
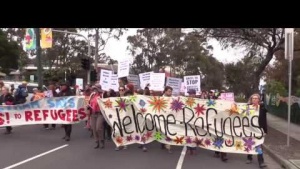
(35, 157)
(181, 158)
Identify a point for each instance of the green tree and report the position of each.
(259, 42)
(9, 53)
(186, 53)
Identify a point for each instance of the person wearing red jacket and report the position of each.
(97, 119)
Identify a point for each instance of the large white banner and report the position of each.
(55, 110)
(105, 78)
(192, 82)
(183, 121)
(175, 83)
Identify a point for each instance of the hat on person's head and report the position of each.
(192, 91)
(130, 86)
(98, 87)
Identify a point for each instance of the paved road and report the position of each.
(27, 142)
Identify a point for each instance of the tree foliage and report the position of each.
(186, 53)
(278, 71)
(259, 42)
(9, 53)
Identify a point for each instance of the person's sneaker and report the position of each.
(144, 149)
(248, 161)
(67, 138)
(102, 144)
(46, 128)
(262, 165)
(117, 148)
(125, 147)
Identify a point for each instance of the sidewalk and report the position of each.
(276, 142)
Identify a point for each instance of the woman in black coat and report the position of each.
(255, 100)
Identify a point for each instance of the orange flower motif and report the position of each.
(190, 101)
(157, 103)
(108, 104)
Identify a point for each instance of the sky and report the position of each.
(223, 55)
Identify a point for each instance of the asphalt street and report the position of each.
(32, 147)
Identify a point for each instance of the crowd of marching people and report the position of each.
(96, 124)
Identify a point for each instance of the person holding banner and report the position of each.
(255, 101)
(192, 93)
(6, 99)
(66, 91)
(97, 119)
(50, 93)
(121, 94)
(167, 93)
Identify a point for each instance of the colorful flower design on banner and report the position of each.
(199, 109)
(258, 149)
(144, 139)
(238, 145)
(188, 140)
(108, 104)
(179, 140)
(218, 142)
(176, 105)
(142, 103)
(211, 102)
(149, 134)
(129, 138)
(158, 104)
(228, 142)
(143, 110)
(119, 140)
(207, 142)
(158, 136)
(168, 139)
(122, 104)
(199, 142)
(137, 137)
(132, 98)
(248, 143)
(233, 110)
(248, 111)
(190, 102)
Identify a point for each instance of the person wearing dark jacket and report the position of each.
(255, 101)
(66, 91)
(21, 93)
(6, 99)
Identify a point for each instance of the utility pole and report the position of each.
(38, 57)
(96, 52)
(289, 55)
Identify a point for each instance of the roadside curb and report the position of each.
(283, 162)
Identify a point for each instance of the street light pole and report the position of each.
(89, 49)
(289, 53)
(39, 59)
